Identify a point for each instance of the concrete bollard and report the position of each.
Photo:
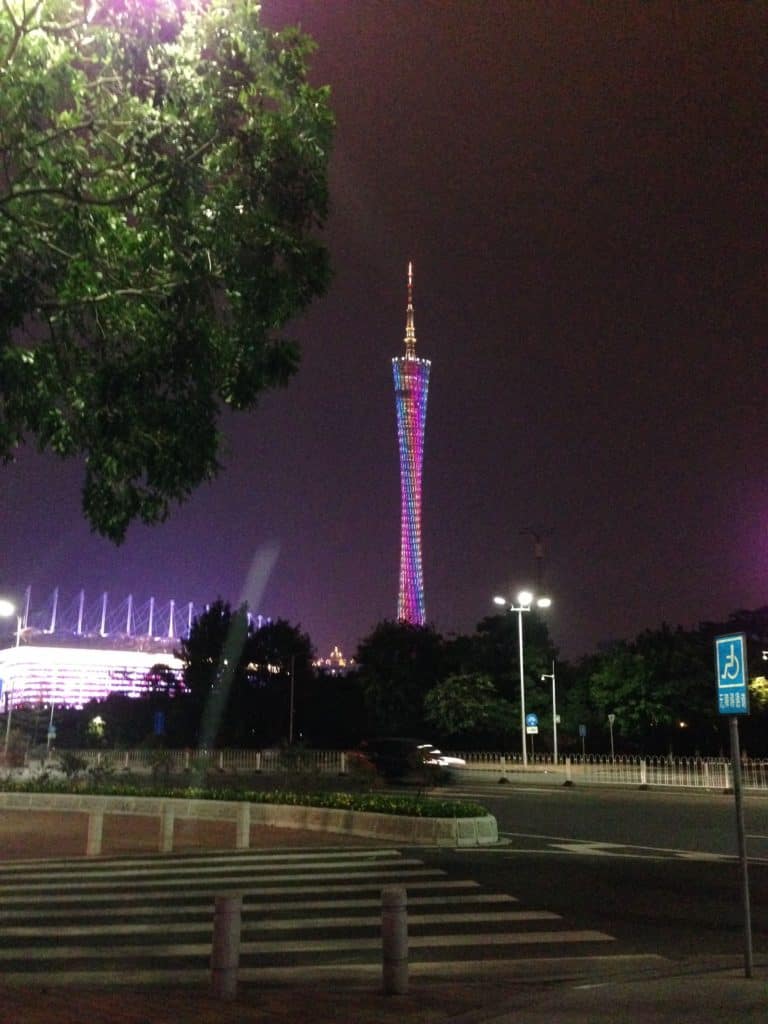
(394, 940)
(167, 823)
(243, 828)
(225, 949)
(95, 833)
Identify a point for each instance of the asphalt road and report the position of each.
(656, 870)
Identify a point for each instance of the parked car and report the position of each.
(398, 757)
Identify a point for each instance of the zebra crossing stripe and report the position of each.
(434, 880)
(48, 890)
(276, 925)
(525, 968)
(92, 879)
(204, 908)
(193, 866)
(203, 949)
(210, 856)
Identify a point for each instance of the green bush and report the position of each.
(101, 774)
(362, 771)
(161, 763)
(380, 803)
(15, 749)
(71, 764)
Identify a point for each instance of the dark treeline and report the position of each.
(255, 687)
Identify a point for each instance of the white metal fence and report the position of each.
(326, 762)
(688, 772)
(693, 772)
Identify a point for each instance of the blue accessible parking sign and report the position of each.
(732, 679)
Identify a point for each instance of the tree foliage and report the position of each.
(398, 664)
(495, 650)
(468, 706)
(656, 682)
(239, 677)
(163, 171)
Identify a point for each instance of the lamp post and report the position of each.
(551, 675)
(525, 600)
(290, 709)
(8, 609)
(611, 719)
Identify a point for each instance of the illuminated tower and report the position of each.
(411, 385)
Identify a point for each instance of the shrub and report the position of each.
(380, 803)
(101, 773)
(161, 764)
(361, 770)
(15, 749)
(71, 764)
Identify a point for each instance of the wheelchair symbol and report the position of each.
(731, 665)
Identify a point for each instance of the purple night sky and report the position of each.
(581, 188)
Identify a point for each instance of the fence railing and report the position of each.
(688, 772)
(326, 762)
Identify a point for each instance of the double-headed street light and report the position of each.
(525, 602)
(7, 610)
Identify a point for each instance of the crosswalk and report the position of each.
(309, 913)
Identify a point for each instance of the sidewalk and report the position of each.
(675, 994)
(690, 999)
(724, 998)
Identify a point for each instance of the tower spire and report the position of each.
(410, 330)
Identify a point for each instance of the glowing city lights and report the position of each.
(411, 377)
(73, 676)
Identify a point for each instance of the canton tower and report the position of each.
(411, 386)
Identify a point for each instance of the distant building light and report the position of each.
(335, 664)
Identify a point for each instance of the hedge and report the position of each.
(378, 803)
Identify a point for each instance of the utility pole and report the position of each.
(538, 550)
(551, 675)
(290, 710)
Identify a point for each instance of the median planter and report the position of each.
(424, 831)
(480, 831)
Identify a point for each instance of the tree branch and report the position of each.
(19, 28)
(46, 140)
(84, 199)
(88, 300)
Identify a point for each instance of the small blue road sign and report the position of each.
(582, 731)
(531, 719)
(732, 677)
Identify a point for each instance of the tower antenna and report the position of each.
(410, 330)
(538, 550)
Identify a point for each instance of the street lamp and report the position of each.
(611, 720)
(551, 675)
(7, 610)
(525, 600)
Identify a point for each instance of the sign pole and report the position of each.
(737, 792)
(733, 700)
